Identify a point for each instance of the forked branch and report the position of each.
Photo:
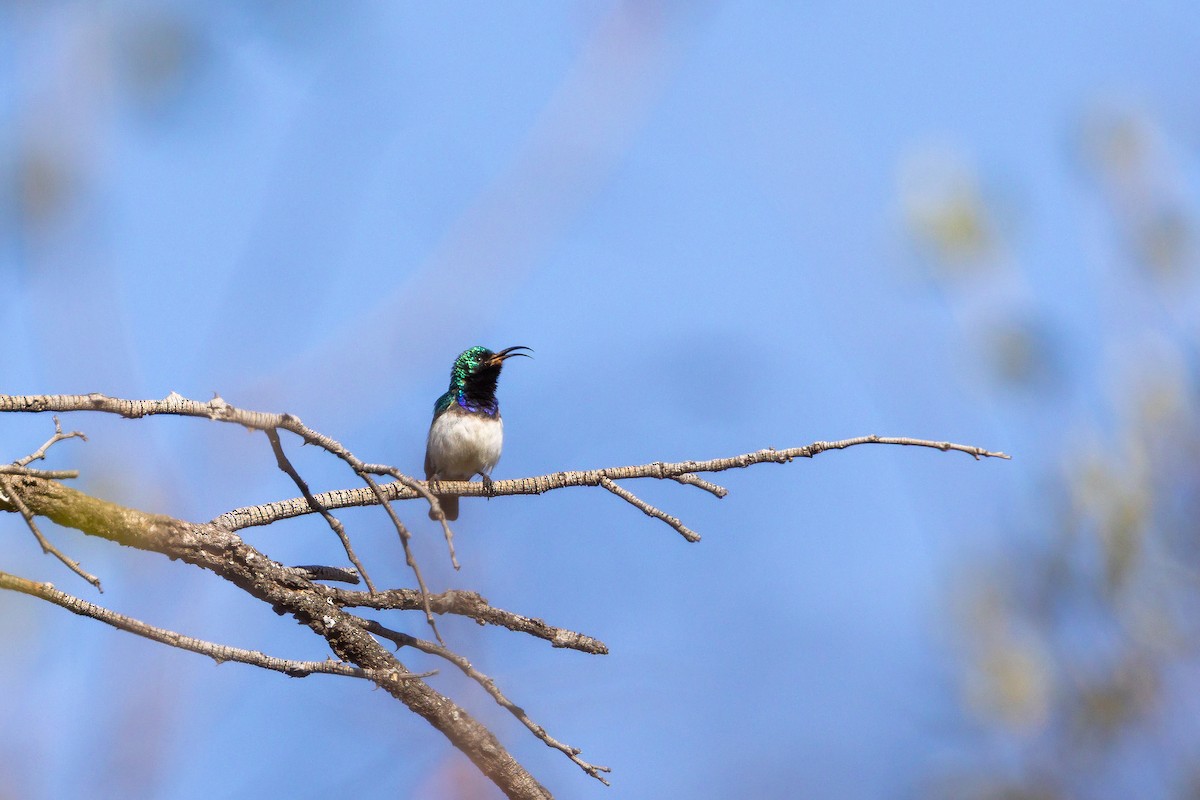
(215, 546)
(285, 589)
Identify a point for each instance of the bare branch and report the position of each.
(468, 604)
(405, 640)
(176, 405)
(281, 460)
(49, 474)
(268, 513)
(217, 652)
(215, 546)
(695, 480)
(650, 510)
(12, 496)
(225, 554)
(40, 453)
(405, 541)
(420, 488)
(219, 410)
(320, 572)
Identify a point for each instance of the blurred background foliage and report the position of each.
(1080, 639)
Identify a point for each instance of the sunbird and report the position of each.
(466, 433)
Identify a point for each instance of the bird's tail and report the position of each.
(449, 504)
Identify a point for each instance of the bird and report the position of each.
(466, 433)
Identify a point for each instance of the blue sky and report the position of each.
(694, 214)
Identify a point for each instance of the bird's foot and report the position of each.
(487, 487)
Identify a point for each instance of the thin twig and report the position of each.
(695, 480)
(228, 556)
(217, 652)
(48, 474)
(464, 603)
(420, 488)
(13, 498)
(58, 436)
(650, 510)
(405, 541)
(405, 640)
(334, 523)
(215, 547)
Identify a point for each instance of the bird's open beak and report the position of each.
(508, 352)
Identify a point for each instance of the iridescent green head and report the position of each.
(473, 379)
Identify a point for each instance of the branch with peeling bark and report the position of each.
(355, 640)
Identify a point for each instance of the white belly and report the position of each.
(462, 445)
